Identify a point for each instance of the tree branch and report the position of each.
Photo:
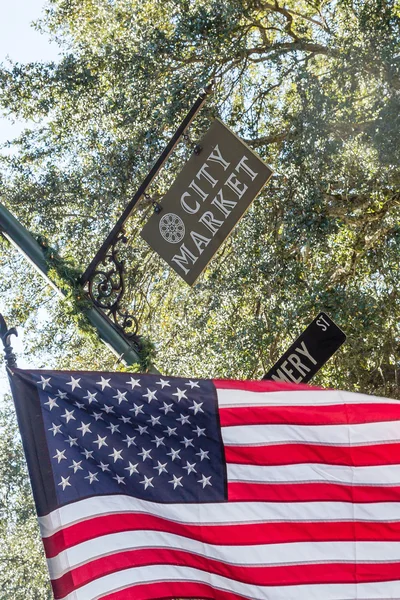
(285, 13)
(288, 13)
(268, 139)
(283, 47)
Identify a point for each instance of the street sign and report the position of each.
(207, 199)
(309, 352)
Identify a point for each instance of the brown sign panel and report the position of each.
(207, 199)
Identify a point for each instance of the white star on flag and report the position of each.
(190, 467)
(161, 467)
(60, 455)
(132, 468)
(85, 428)
(134, 382)
(154, 420)
(163, 383)
(52, 403)
(166, 408)
(103, 382)
(44, 383)
(71, 441)
(119, 479)
(145, 454)
(68, 415)
(183, 419)
(125, 419)
(103, 467)
(91, 397)
(150, 395)
(205, 481)
(121, 396)
(130, 441)
(174, 454)
(101, 441)
(74, 383)
(98, 416)
(158, 441)
(187, 442)
(176, 481)
(137, 409)
(116, 455)
(196, 407)
(64, 482)
(142, 429)
(170, 431)
(107, 409)
(203, 454)
(87, 453)
(147, 482)
(76, 466)
(55, 429)
(193, 384)
(113, 428)
(92, 477)
(61, 395)
(181, 394)
(199, 431)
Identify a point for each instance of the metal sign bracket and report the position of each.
(105, 275)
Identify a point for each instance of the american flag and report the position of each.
(152, 487)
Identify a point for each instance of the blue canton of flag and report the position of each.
(158, 440)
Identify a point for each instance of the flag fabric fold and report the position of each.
(151, 487)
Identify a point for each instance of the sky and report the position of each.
(20, 42)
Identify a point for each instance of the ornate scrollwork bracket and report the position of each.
(106, 288)
(5, 335)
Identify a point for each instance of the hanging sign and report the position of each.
(309, 352)
(207, 199)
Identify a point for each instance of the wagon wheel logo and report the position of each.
(172, 228)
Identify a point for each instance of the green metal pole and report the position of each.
(25, 243)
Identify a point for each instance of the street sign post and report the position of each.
(309, 352)
(207, 199)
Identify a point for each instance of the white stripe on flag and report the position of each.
(220, 513)
(310, 473)
(312, 397)
(339, 435)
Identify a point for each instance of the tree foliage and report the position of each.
(23, 573)
(313, 86)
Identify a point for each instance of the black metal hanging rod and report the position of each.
(5, 335)
(112, 236)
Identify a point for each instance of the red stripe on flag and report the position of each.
(311, 492)
(291, 454)
(302, 574)
(172, 589)
(231, 535)
(261, 386)
(337, 414)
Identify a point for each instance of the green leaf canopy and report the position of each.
(313, 87)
